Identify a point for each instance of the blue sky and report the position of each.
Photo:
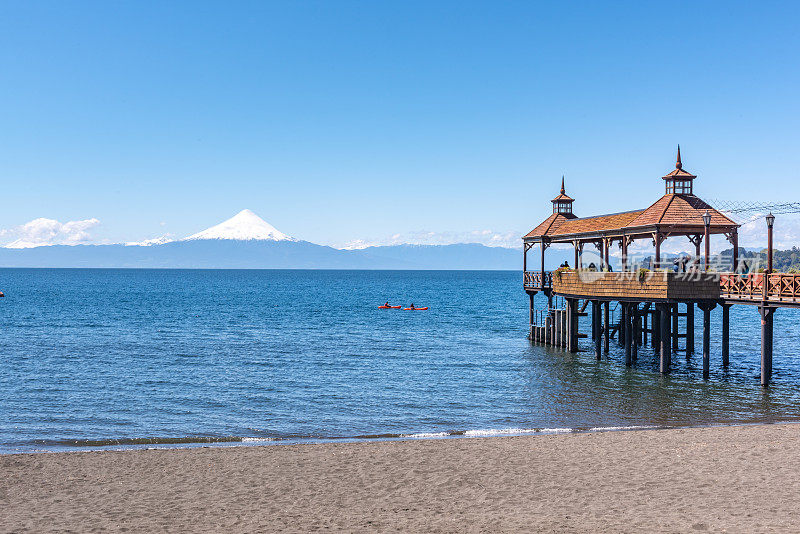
(342, 121)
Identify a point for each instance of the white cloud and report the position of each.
(426, 237)
(43, 232)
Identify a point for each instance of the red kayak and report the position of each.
(389, 307)
(416, 309)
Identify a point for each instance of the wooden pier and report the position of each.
(637, 303)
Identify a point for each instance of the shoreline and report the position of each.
(738, 478)
(226, 442)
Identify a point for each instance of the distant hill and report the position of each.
(255, 254)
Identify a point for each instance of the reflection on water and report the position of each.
(93, 357)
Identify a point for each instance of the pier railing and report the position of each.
(773, 287)
(777, 288)
(535, 280)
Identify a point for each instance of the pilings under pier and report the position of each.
(560, 327)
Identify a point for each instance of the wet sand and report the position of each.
(739, 479)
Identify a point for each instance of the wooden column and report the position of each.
(605, 254)
(657, 260)
(735, 243)
(766, 344)
(606, 327)
(572, 338)
(635, 331)
(689, 329)
(530, 316)
(655, 334)
(596, 327)
(726, 333)
(543, 247)
(625, 326)
(643, 324)
(665, 353)
(624, 253)
(706, 307)
(524, 257)
(623, 312)
(576, 265)
(675, 329)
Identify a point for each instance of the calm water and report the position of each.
(124, 357)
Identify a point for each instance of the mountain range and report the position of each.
(246, 241)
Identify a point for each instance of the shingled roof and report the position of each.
(675, 211)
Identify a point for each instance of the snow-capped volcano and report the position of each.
(244, 226)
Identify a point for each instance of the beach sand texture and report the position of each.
(739, 479)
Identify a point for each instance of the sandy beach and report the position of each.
(736, 479)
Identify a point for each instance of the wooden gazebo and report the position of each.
(678, 213)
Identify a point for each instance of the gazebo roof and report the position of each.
(673, 213)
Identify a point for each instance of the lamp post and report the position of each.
(707, 224)
(770, 223)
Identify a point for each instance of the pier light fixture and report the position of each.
(707, 237)
(770, 220)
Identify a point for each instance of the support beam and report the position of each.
(689, 329)
(726, 334)
(665, 353)
(706, 307)
(531, 318)
(606, 327)
(675, 329)
(625, 326)
(572, 321)
(766, 344)
(623, 312)
(596, 327)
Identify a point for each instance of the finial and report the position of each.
(678, 163)
(562, 185)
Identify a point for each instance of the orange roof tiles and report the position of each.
(670, 210)
(677, 209)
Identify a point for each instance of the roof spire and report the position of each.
(678, 164)
(562, 185)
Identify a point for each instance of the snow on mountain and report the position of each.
(244, 226)
(166, 238)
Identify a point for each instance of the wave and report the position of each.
(188, 441)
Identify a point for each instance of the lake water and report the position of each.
(126, 358)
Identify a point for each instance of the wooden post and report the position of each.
(707, 243)
(657, 261)
(636, 329)
(735, 243)
(596, 326)
(606, 327)
(624, 253)
(524, 257)
(675, 329)
(689, 329)
(645, 317)
(531, 316)
(766, 344)
(625, 326)
(706, 307)
(726, 333)
(576, 265)
(573, 319)
(621, 331)
(543, 247)
(664, 336)
(655, 335)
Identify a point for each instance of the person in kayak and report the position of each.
(412, 306)
(387, 304)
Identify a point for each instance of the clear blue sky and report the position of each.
(345, 120)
